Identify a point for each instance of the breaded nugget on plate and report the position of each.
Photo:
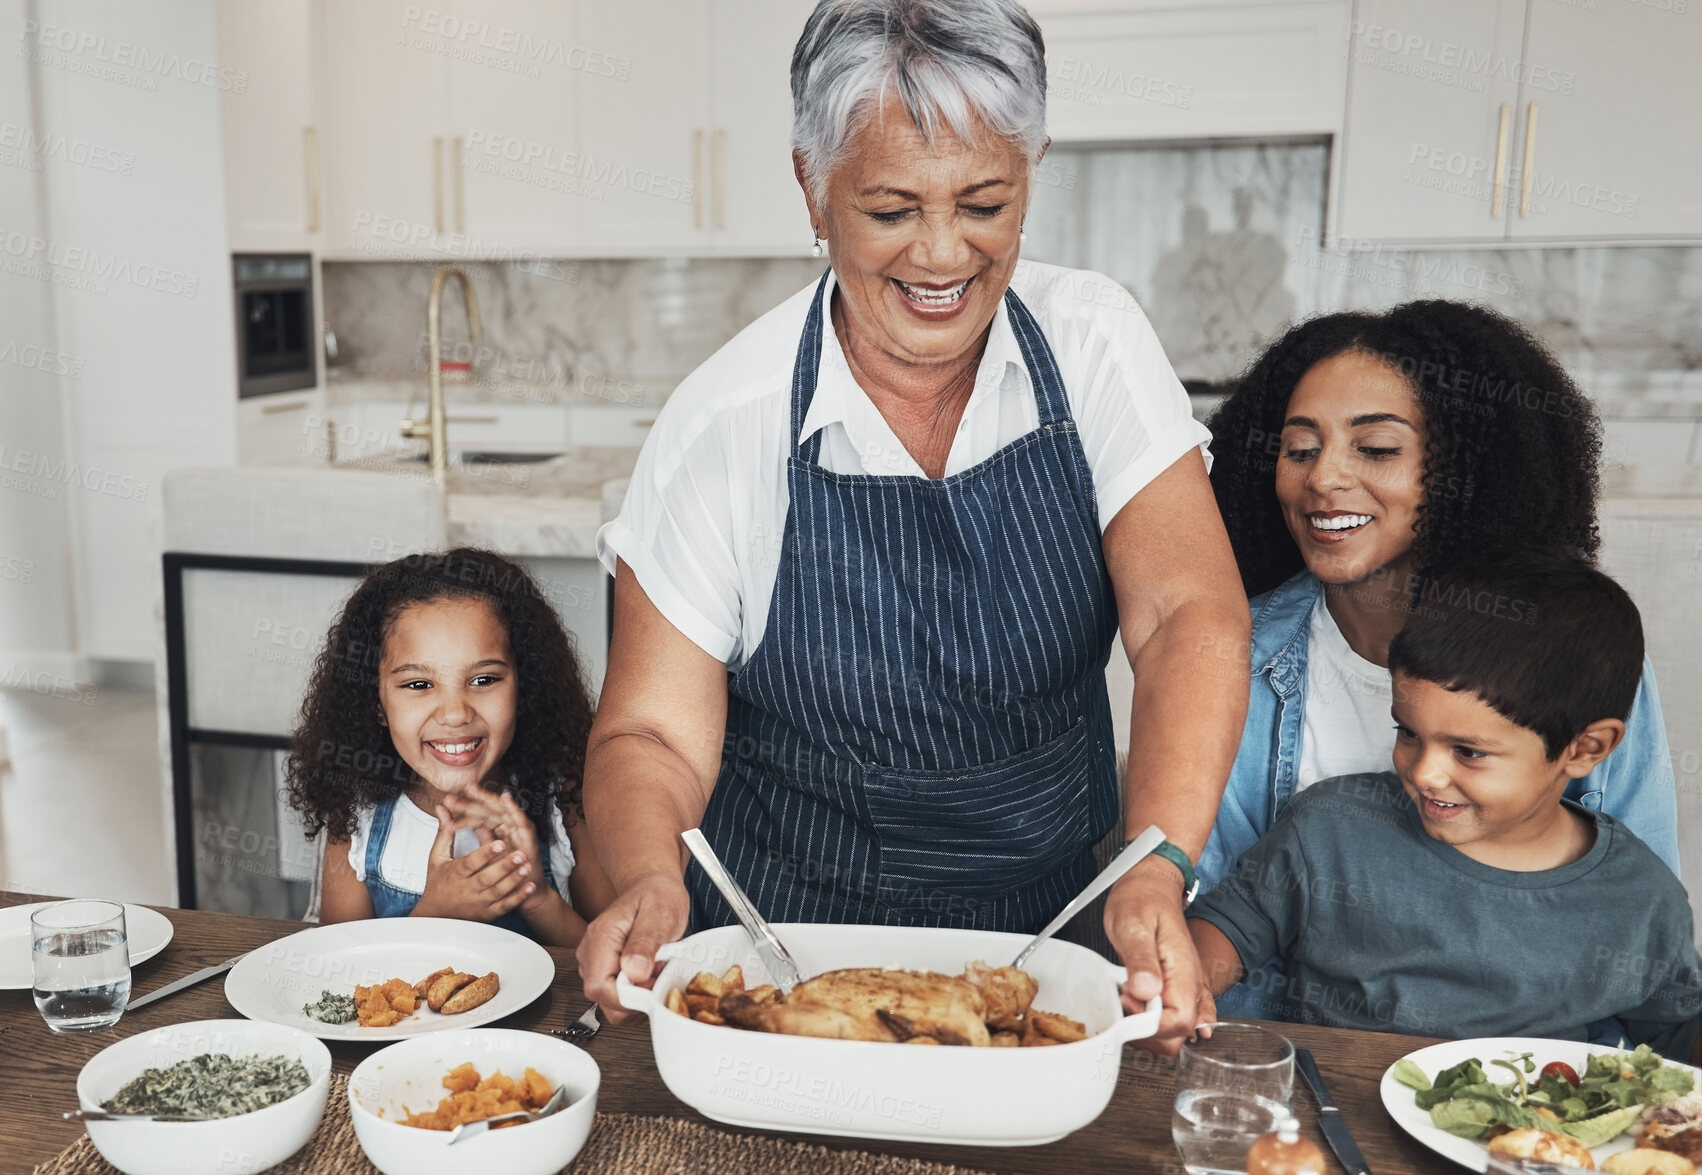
(444, 987)
(480, 991)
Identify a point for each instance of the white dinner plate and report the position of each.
(274, 981)
(148, 931)
(1398, 1098)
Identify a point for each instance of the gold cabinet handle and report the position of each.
(720, 179)
(277, 409)
(437, 182)
(460, 204)
(697, 178)
(1530, 160)
(1496, 198)
(310, 146)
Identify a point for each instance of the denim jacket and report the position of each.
(1634, 784)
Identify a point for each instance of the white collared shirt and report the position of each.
(705, 512)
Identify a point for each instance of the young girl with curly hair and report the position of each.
(441, 746)
(1360, 457)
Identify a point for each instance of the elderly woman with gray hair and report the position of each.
(877, 549)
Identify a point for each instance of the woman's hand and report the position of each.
(480, 887)
(500, 817)
(627, 935)
(1143, 919)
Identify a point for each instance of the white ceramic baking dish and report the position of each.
(871, 1089)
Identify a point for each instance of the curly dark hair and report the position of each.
(341, 757)
(1512, 453)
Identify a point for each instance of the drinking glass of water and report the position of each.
(1231, 1087)
(81, 957)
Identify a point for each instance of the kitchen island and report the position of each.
(1132, 1135)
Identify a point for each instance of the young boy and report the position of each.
(1460, 895)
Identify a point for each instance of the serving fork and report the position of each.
(583, 1028)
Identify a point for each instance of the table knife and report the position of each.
(1330, 1120)
(189, 980)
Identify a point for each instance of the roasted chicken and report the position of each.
(983, 1006)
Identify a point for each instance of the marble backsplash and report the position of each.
(1220, 244)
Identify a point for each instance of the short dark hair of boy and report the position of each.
(1545, 639)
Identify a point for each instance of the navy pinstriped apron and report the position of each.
(923, 736)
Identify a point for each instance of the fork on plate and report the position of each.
(583, 1028)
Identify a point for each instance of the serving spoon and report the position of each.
(1133, 853)
(781, 969)
(468, 1129)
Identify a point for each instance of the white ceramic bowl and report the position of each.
(874, 1089)
(240, 1145)
(408, 1077)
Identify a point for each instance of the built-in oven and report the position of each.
(274, 322)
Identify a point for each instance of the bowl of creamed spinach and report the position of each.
(256, 1090)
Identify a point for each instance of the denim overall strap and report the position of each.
(922, 736)
(389, 901)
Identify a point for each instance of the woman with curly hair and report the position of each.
(1360, 457)
(441, 746)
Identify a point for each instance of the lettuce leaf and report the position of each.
(1599, 1129)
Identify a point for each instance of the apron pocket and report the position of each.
(983, 833)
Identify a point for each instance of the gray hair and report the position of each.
(949, 61)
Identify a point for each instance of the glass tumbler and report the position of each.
(80, 953)
(1231, 1087)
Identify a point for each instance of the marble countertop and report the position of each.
(481, 388)
(549, 508)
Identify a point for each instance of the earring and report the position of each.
(1022, 233)
(815, 249)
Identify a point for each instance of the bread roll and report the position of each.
(1647, 1161)
(1543, 1147)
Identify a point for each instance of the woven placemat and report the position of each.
(620, 1144)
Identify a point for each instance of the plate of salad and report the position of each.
(1451, 1096)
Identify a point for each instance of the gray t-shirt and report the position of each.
(1380, 927)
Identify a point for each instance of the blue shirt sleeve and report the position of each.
(1635, 783)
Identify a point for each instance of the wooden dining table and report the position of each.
(38, 1071)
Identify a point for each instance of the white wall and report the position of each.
(132, 240)
(37, 635)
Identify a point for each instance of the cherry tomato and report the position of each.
(1561, 1069)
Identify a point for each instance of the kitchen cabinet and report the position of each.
(1531, 121)
(281, 429)
(646, 129)
(511, 189)
(757, 207)
(609, 425)
(384, 86)
(273, 190)
(1126, 70)
(1615, 149)
(688, 143)
(1428, 135)
(371, 427)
